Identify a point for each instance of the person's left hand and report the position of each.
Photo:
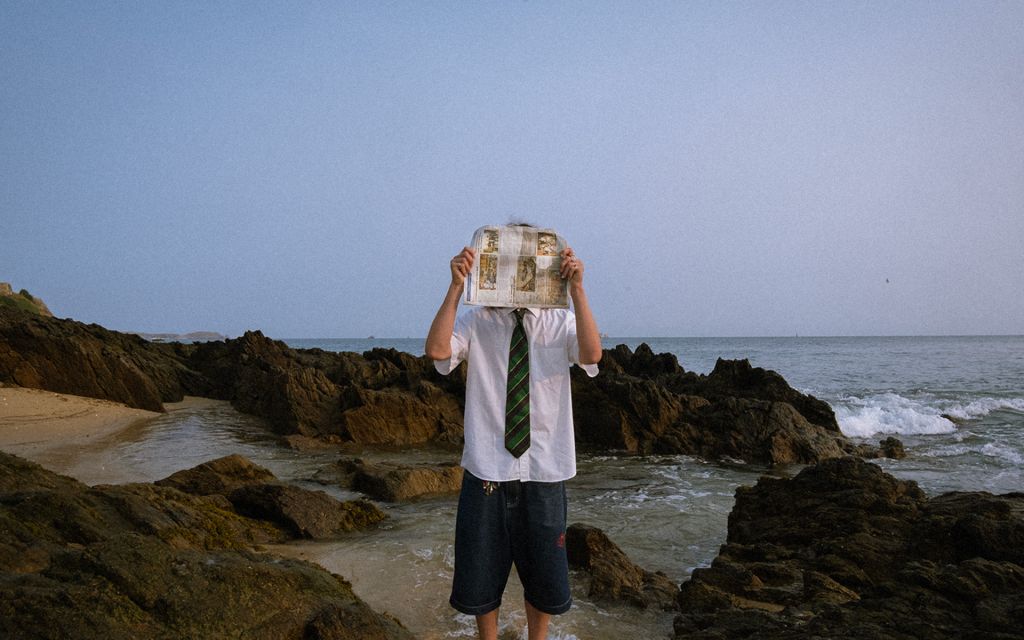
(572, 267)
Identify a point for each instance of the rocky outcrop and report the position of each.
(87, 360)
(844, 550)
(147, 561)
(612, 576)
(647, 403)
(380, 397)
(641, 403)
(393, 482)
(255, 492)
(22, 300)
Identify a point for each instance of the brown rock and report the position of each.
(892, 448)
(401, 416)
(86, 360)
(383, 397)
(613, 577)
(844, 550)
(646, 403)
(299, 442)
(395, 483)
(309, 514)
(220, 476)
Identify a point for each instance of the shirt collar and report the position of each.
(534, 311)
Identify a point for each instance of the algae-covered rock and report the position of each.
(309, 514)
(220, 476)
(237, 483)
(145, 561)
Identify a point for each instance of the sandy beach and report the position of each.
(33, 421)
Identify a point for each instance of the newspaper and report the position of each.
(517, 266)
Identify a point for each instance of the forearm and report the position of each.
(587, 334)
(439, 338)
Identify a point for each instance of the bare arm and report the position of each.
(439, 338)
(586, 328)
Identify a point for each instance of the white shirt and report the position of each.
(482, 336)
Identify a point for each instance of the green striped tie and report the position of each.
(517, 400)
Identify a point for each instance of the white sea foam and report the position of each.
(984, 406)
(998, 452)
(1005, 453)
(889, 413)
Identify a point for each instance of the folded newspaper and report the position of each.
(517, 266)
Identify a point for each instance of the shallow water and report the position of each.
(668, 513)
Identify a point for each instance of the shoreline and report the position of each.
(35, 421)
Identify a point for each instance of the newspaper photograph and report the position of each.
(517, 266)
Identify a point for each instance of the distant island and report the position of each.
(195, 336)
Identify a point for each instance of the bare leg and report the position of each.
(487, 625)
(537, 622)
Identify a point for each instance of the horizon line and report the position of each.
(725, 337)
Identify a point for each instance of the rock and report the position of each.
(255, 492)
(892, 448)
(220, 476)
(66, 356)
(383, 397)
(423, 413)
(641, 403)
(23, 300)
(888, 448)
(309, 514)
(145, 561)
(396, 483)
(844, 550)
(646, 403)
(341, 621)
(613, 577)
(737, 378)
(299, 442)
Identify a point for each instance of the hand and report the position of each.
(461, 265)
(572, 267)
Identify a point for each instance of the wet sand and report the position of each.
(34, 422)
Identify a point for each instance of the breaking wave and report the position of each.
(891, 413)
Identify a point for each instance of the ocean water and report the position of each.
(956, 402)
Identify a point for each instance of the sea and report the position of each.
(957, 403)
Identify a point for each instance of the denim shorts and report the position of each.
(521, 523)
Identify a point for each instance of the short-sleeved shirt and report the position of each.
(482, 337)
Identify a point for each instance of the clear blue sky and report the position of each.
(724, 169)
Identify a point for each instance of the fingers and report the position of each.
(462, 264)
(572, 267)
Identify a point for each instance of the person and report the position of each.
(512, 506)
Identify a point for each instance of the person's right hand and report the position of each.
(461, 264)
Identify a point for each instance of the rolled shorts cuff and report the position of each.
(478, 610)
(554, 611)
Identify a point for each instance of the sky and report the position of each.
(722, 168)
